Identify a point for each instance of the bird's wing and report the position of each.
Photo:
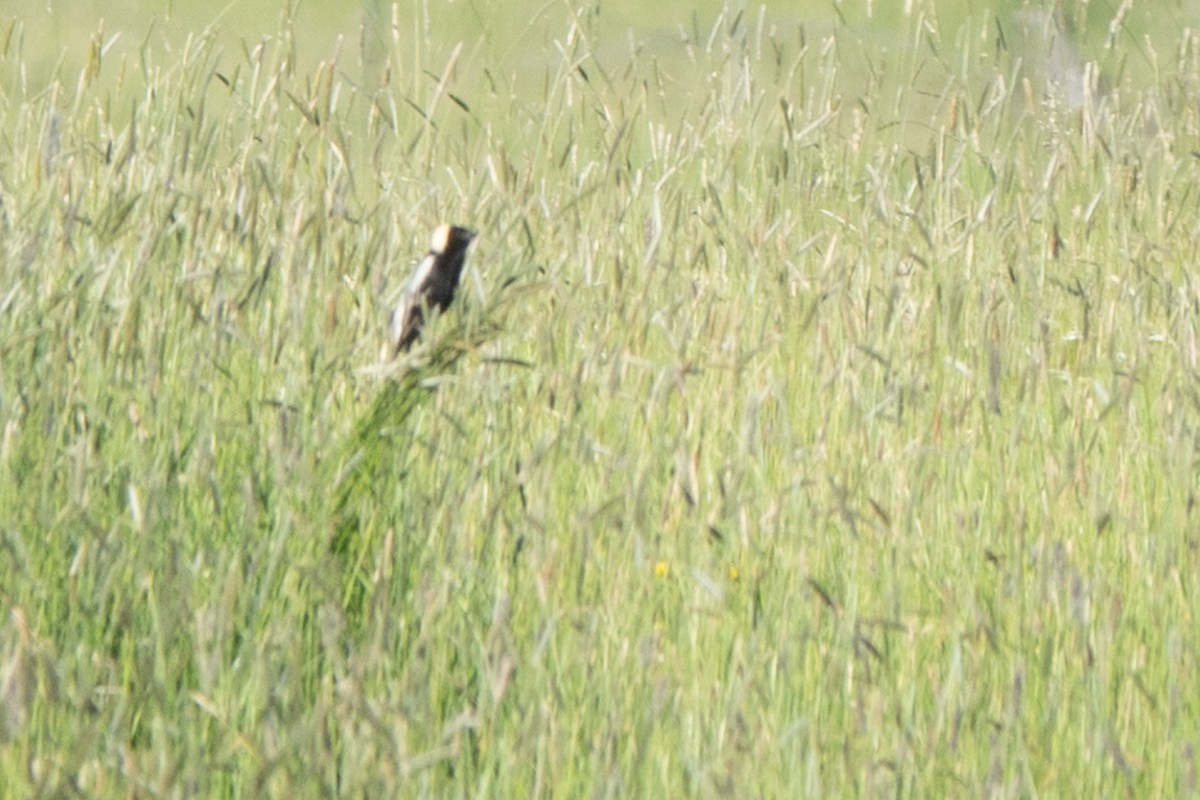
(407, 313)
(420, 275)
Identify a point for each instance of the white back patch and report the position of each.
(420, 275)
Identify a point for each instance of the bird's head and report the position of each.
(450, 237)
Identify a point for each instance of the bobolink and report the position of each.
(432, 284)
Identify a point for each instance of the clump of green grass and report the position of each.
(836, 437)
(370, 458)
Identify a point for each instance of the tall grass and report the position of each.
(819, 418)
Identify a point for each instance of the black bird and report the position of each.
(432, 284)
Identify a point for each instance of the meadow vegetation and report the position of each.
(819, 417)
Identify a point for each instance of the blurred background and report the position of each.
(517, 38)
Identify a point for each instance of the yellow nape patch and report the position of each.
(441, 239)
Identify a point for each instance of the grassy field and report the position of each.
(820, 416)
